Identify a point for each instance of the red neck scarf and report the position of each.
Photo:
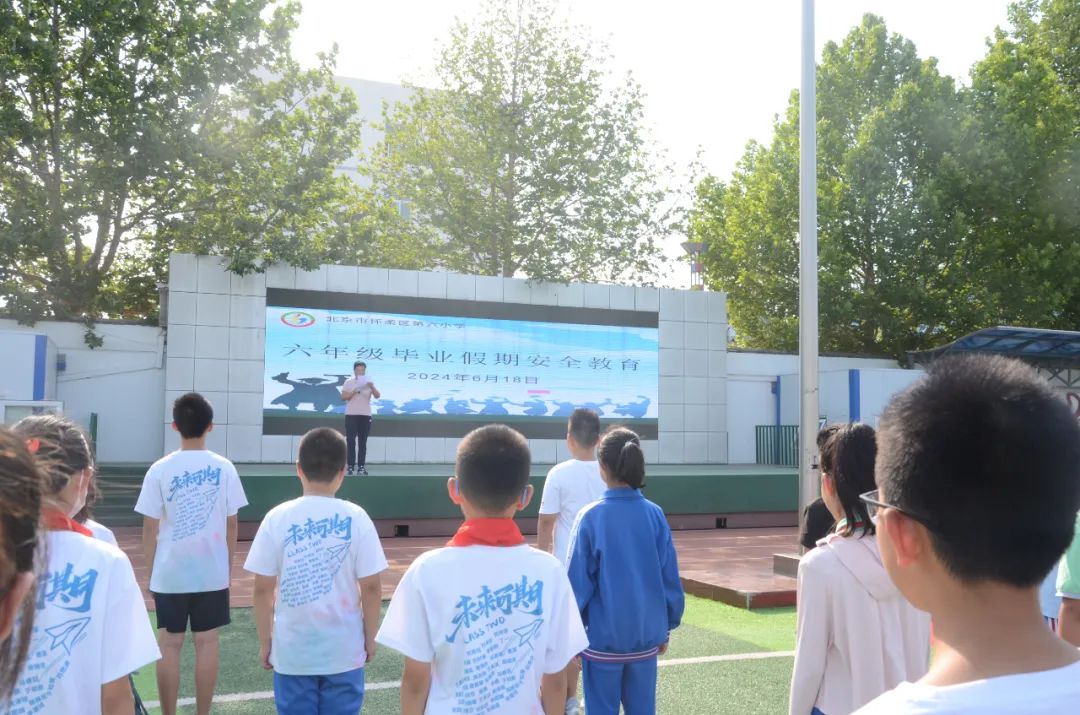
(55, 520)
(488, 532)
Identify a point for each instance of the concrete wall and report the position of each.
(123, 381)
(216, 324)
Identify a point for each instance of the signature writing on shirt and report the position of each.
(337, 526)
(520, 596)
(66, 589)
(198, 478)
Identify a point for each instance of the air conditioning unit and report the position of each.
(14, 410)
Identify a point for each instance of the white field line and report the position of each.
(391, 685)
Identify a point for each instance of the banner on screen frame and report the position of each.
(439, 375)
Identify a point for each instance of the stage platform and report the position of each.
(411, 499)
(733, 566)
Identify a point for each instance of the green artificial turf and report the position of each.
(709, 629)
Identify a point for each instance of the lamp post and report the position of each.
(808, 280)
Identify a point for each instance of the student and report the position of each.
(570, 487)
(857, 636)
(319, 631)
(20, 510)
(92, 629)
(357, 393)
(189, 501)
(486, 624)
(1068, 589)
(978, 489)
(625, 576)
(818, 521)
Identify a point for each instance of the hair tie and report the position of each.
(33, 445)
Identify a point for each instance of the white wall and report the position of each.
(17, 378)
(123, 381)
(217, 335)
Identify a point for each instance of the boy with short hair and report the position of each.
(570, 487)
(315, 551)
(487, 624)
(189, 501)
(978, 489)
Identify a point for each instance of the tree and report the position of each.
(522, 162)
(129, 128)
(887, 227)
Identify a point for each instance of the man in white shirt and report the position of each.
(357, 393)
(189, 501)
(570, 487)
(977, 497)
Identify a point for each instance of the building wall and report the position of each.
(216, 327)
(123, 381)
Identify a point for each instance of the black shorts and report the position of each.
(206, 611)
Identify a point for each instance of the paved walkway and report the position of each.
(732, 559)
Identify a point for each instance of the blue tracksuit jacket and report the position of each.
(625, 576)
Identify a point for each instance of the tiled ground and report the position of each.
(725, 559)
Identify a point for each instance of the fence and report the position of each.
(777, 445)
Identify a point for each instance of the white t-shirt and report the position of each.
(359, 403)
(1049, 692)
(317, 547)
(492, 620)
(91, 628)
(102, 532)
(569, 488)
(192, 492)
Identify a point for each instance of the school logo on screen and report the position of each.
(298, 319)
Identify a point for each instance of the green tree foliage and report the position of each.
(942, 209)
(129, 128)
(525, 161)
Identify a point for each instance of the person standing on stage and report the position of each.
(357, 393)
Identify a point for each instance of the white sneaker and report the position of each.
(573, 707)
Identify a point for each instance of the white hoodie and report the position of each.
(857, 635)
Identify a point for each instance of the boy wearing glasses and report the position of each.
(978, 475)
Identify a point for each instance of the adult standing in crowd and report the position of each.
(357, 393)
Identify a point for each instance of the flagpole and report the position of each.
(808, 284)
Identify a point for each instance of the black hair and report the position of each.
(359, 363)
(193, 415)
(824, 433)
(322, 454)
(21, 482)
(848, 458)
(63, 449)
(988, 457)
(620, 453)
(584, 427)
(493, 467)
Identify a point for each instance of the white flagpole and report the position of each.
(808, 281)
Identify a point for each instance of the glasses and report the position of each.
(875, 506)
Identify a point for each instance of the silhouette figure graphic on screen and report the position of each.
(564, 409)
(418, 405)
(320, 393)
(494, 405)
(458, 407)
(386, 407)
(535, 407)
(634, 409)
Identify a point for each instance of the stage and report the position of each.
(411, 499)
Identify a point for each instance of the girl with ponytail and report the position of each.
(625, 577)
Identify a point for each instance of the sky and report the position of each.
(715, 72)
